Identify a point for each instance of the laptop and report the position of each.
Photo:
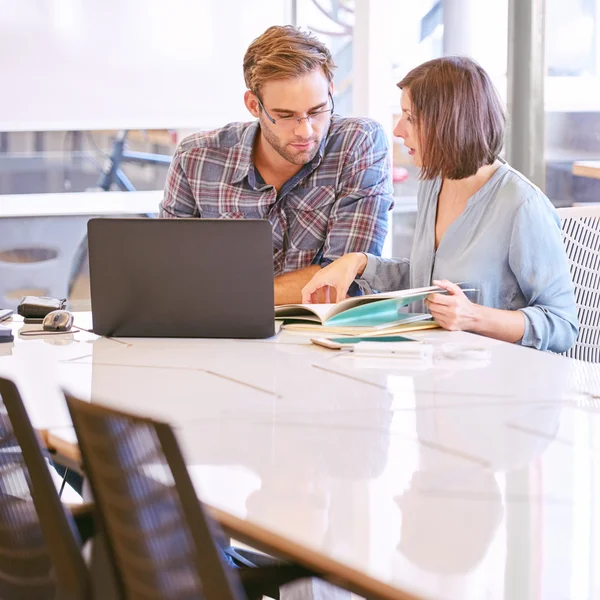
(199, 278)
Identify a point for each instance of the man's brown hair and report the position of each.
(458, 116)
(285, 52)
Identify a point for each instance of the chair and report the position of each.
(159, 538)
(40, 554)
(581, 236)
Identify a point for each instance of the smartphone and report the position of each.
(348, 342)
(5, 313)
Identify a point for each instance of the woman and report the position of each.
(478, 220)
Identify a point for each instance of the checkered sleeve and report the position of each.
(358, 221)
(178, 200)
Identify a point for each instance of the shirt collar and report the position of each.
(245, 156)
(316, 161)
(247, 144)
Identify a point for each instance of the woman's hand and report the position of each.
(453, 311)
(337, 277)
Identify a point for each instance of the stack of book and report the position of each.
(370, 315)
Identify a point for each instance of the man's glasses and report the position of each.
(291, 122)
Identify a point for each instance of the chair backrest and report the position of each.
(161, 542)
(581, 236)
(40, 554)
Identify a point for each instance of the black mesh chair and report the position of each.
(40, 553)
(159, 538)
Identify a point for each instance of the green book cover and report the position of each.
(374, 314)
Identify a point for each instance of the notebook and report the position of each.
(372, 314)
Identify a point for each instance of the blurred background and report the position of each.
(96, 95)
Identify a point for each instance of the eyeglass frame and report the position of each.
(298, 119)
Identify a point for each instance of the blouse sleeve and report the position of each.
(537, 258)
(384, 275)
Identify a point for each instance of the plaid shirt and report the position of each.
(335, 204)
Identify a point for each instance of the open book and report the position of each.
(373, 314)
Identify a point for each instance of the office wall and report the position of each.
(132, 64)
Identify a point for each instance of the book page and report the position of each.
(408, 296)
(323, 312)
(318, 313)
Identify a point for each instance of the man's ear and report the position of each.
(251, 102)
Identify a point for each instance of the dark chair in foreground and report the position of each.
(161, 542)
(40, 546)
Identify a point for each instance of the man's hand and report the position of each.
(288, 287)
(453, 311)
(331, 283)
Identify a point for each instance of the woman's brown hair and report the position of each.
(458, 115)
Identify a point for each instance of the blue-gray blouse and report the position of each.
(507, 242)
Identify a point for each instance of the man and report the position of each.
(323, 181)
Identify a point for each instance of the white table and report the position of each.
(461, 479)
(587, 168)
(72, 204)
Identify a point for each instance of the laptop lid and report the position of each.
(181, 277)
